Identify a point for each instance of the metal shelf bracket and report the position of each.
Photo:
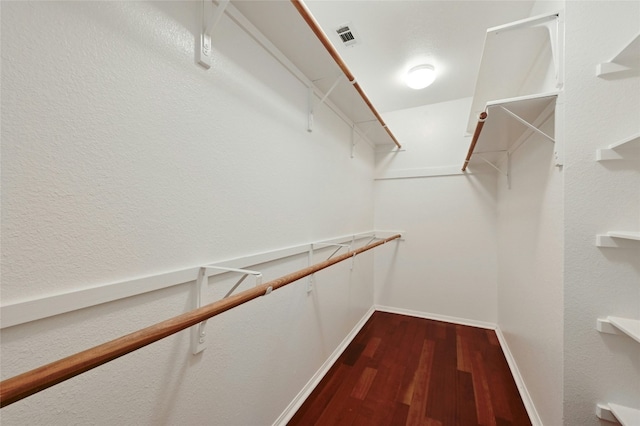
(324, 98)
(507, 173)
(198, 335)
(340, 246)
(204, 51)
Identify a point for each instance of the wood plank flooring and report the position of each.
(402, 370)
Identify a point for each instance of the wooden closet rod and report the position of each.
(474, 140)
(26, 384)
(310, 20)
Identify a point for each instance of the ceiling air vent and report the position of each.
(347, 34)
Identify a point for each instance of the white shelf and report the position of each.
(626, 235)
(517, 60)
(619, 239)
(624, 415)
(628, 148)
(503, 134)
(617, 325)
(626, 60)
(313, 64)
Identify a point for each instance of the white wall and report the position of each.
(447, 265)
(599, 197)
(530, 253)
(122, 158)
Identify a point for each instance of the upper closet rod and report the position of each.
(309, 19)
(474, 141)
(26, 384)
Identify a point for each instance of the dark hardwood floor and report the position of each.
(402, 370)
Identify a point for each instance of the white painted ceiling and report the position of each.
(395, 35)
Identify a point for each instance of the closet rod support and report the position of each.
(311, 247)
(205, 49)
(198, 334)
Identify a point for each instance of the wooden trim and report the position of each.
(309, 19)
(474, 141)
(26, 384)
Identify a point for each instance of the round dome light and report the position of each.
(421, 76)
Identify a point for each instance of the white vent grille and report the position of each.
(347, 35)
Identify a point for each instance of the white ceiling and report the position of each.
(395, 35)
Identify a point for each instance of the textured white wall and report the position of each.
(122, 158)
(599, 197)
(447, 266)
(530, 253)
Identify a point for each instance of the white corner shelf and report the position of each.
(628, 148)
(626, 60)
(619, 239)
(511, 52)
(518, 86)
(618, 325)
(626, 416)
(502, 133)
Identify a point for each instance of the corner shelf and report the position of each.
(504, 132)
(619, 239)
(618, 325)
(613, 412)
(628, 148)
(626, 60)
(518, 86)
(513, 50)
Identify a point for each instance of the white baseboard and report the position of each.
(297, 402)
(513, 366)
(293, 407)
(517, 377)
(436, 317)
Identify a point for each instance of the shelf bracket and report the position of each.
(311, 247)
(506, 174)
(198, 341)
(555, 25)
(324, 98)
(205, 49)
(556, 37)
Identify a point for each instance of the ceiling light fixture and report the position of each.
(421, 76)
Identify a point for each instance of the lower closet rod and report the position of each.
(26, 384)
